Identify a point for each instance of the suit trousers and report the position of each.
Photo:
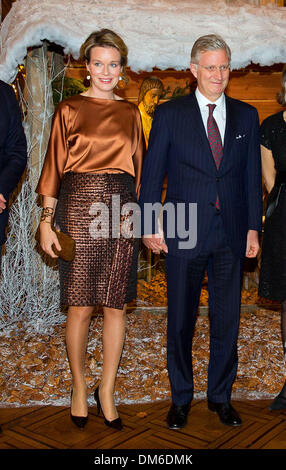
(184, 282)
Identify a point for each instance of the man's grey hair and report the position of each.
(210, 42)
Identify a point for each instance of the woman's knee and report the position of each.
(81, 313)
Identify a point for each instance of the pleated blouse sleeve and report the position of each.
(57, 154)
(139, 151)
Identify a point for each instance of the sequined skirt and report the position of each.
(104, 270)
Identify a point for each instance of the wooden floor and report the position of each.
(144, 428)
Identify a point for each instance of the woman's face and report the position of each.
(104, 68)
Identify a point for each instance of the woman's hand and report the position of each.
(47, 238)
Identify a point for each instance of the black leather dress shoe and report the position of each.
(279, 403)
(227, 414)
(177, 416)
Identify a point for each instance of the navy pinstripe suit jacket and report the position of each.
(178, 146)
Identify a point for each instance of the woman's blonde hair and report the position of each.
(281, 96)
(105, 38)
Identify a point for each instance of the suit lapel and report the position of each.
(198, 117)
(230, 129)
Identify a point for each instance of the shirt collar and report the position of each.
(203, 101)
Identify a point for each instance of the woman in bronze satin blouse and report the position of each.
(95, 152)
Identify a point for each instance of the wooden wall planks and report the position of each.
(256, 85)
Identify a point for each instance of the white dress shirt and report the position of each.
(219, 112)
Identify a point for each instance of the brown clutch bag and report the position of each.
(67, 243)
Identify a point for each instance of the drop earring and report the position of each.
(121, 83)
(86, 81)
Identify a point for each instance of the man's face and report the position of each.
(211, 83)
(151, 100)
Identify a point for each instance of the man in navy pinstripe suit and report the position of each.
(228, 197)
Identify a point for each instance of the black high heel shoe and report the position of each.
(79, 421)
(115, 423)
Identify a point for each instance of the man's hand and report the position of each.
(155, 243)
(252, 244)
(2, 203)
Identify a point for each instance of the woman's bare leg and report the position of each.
(113, 339)
(77, 327)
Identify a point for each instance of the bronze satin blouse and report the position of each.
(90, 135)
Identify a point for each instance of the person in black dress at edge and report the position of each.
(95, 152)
(272, 282)
(13, 153)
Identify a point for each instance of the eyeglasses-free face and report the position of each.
(212, 73)
(104, 68)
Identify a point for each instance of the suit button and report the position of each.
(212, 204)
(217, 179)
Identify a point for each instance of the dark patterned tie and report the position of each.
(214, 136)
(214, 140)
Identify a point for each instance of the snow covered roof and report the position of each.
(159, 33)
